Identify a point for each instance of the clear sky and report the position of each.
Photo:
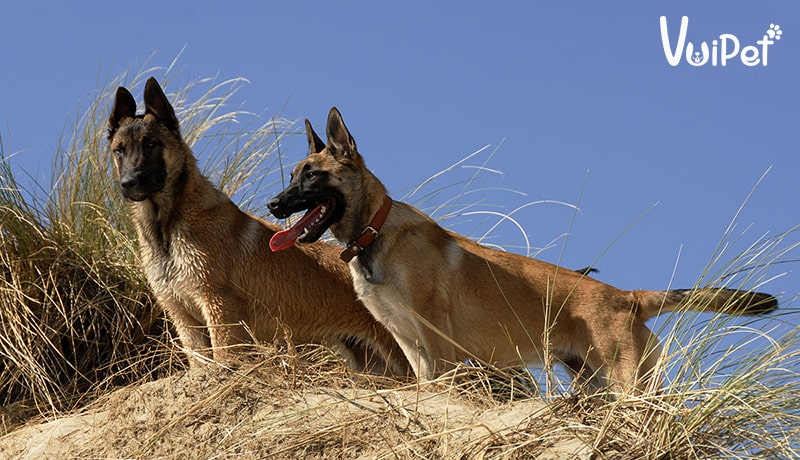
(578, 100)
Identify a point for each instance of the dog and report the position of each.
(208, 262)
(447, 299)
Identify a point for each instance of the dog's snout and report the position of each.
(129, 181)
(278, 207)
(274, 205)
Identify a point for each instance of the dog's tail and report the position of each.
(730, 301)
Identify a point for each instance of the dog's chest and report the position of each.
(180, 269)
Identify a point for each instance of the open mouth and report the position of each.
(306, 230)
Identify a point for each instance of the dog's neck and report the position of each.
(370, 232)
(360, 209)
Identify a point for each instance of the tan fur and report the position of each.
(446, 298)
(209, 263)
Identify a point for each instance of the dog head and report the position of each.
(141, 144)
(322, 184)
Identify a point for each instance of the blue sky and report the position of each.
(577, 100)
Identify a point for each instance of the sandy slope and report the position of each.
(213, 413)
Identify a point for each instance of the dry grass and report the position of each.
(89, 367)
(77, 315)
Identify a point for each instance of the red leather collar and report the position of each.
(369, 234)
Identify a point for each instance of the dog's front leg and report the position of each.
(192, 331)
(225, 317)
(417, 356)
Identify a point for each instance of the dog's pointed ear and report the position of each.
(124, 107)
(156, 103)
(315, 144)
(340, 143)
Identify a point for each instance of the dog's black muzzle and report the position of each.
(278, 207)
(293, 200)
(140, 185)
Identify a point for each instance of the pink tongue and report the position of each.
(285, 239)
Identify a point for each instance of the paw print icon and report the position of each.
(774, 32)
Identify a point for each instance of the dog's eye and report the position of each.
(149, 145)
(311, 174)
(119, 151)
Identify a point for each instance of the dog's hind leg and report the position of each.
(648, 347)
(584, 375)
(630, 359)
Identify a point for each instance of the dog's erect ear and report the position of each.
(340, 143)
(124, 107)
(156, 103)
(315, 144)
